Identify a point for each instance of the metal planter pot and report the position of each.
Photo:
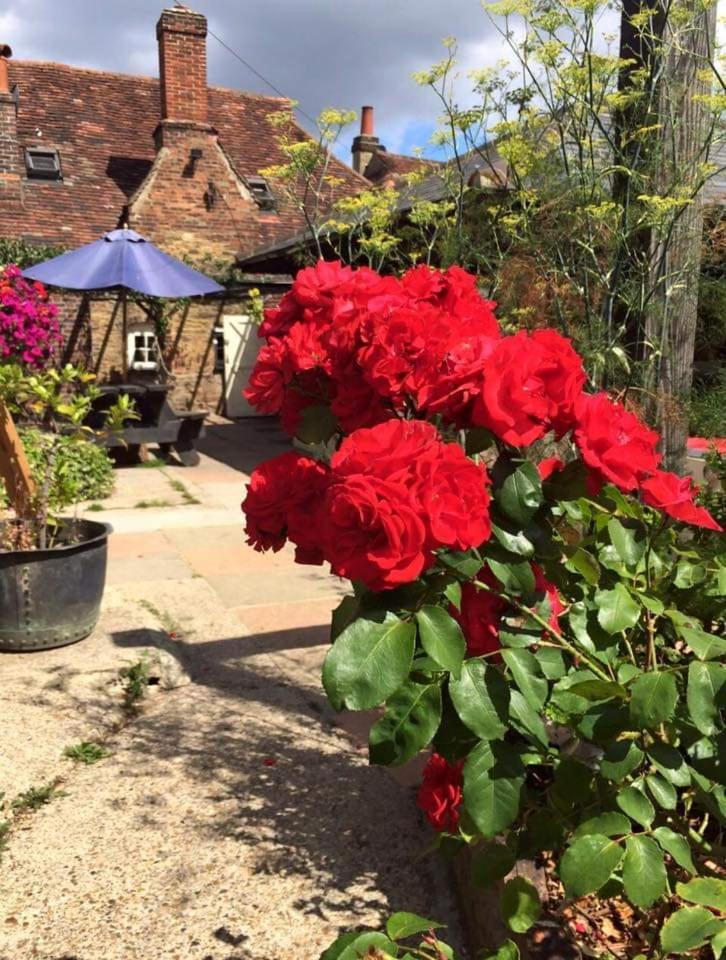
(49, 598)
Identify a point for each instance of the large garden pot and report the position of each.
(49, 598)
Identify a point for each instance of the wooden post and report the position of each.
(14, 467)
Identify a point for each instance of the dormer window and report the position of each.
(42, 164)
(260, 190)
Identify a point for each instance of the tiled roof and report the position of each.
(103, 124)
(386, 168)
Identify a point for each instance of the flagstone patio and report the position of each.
(235, 817)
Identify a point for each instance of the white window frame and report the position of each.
(149, 348)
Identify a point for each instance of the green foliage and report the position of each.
(34, 798)
(79, 469)
(399, 928)
(52, 407)
(707, 413)
(631, 677)
(135, 681)
(26, 254)
(86, 752)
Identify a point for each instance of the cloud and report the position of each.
(320, 52)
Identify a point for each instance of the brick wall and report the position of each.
(183, 65)
(10, 184)
(194, 208)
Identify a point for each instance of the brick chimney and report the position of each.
(367, 144)
(9, 157)
(182, 37)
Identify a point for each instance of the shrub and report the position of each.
(551, 628)
(708, 409)
(80, 469)
(29, 331)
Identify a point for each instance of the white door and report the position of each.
(241, 345)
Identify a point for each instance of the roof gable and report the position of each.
(103, 126)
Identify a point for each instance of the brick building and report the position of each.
(84, 151)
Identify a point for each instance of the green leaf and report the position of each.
(705, 695)
(588, 864)
(644, 873)
(402, 925)
(653, 699)
(629, 550)
(412, 717)
(637, 806)
(526, 719)
(368, 662)
(551, 662)
(317, 424)
(616, 609)
(441, 637)
(508, 951)
(688, 928)
(519, 904)
(620, 759)
(335, 949)
(676, 845)
(465, 564)
(527, 675)
(706, 891)
(481, 698)
(493, 862)
(706, 646)
(670, 763)
(521, 493)
(493, 785)
(452, 592)
(606, 824)
(343, 615)
(718, 943)
(664, 793)
(363, 943)
(515, 543)
(597, 689)
(516, 579)
(583, 562)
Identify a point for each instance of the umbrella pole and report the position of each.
(125, 337)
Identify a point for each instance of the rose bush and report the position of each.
(29, 330)
(553, 627)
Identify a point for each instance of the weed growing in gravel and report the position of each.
(147, 504)
(165, 619)
(85, 752)
(35, 797)
(135, 680)
(95, 507)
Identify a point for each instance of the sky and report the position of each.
(341, 53)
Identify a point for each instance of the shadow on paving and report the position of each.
(275, 774)
(243, 444)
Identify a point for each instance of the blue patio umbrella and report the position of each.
(124, 260)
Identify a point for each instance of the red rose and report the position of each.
(480, 615)
(545, 586)
(398, 493)
(614, 443)
(674, 495)
(374, 532)
(440, 793)
(531, 384)
(284, 502)
(452, 491)
(548, 466)
(271, 375)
